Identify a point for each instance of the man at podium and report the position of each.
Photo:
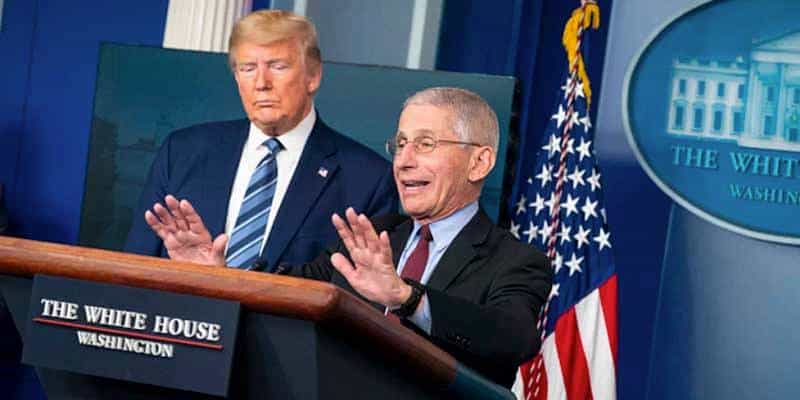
(444, 270)
(271, 181)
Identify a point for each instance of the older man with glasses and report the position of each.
(444, 270)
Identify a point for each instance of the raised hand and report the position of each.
(185, 236)
(369, 270)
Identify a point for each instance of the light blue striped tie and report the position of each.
(244, 244)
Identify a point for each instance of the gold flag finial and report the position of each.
(588, 14)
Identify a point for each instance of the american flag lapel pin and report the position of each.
(323, 172)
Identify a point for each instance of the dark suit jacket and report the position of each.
(199, 164)
(484, 295)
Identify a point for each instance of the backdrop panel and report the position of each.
(143, 93)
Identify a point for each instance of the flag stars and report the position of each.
(588, 209)
(514, 230)
(571, 205)
(560, 116)
(546, 175)
(553, 291)
(571, 146)
(583, 149)
(574, 264)
(538, 204)
(566, 87)
(553, 146)
(573, 119)
(521, 205)
(602, 239)
(579, 89)
(564, 234)
(551, 203)
(532, 232)
(581, 237)
(558, 263)
(576, 177)
(545, 232)
(587, 123)
(594, 179)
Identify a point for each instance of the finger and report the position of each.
(193, 219)
(218, 249)
(344, 266)
(368, 231)
(344, 232)
(385, 248)
(155, 224)
(174, 208)
(358, 235)
(166, 218)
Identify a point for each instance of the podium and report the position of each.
(298, 338)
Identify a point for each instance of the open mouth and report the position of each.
(414, 185)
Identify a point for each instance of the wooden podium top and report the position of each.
(256, 291)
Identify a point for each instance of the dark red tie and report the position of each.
(415, 264)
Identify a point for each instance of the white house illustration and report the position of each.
(755, 103)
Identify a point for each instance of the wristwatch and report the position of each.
(407, 309)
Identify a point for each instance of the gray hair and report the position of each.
(473, 118)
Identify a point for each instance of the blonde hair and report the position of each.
(264, 27)
(473, 118)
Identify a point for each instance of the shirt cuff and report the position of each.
(422, 316)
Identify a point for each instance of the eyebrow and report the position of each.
(267, 62)
(419, 131)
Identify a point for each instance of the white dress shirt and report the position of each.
(293, 141)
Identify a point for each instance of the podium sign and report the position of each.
(133, 334)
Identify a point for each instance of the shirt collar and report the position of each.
(294, 140)
(445, 230)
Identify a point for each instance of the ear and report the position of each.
(481, 165)
(314, 79)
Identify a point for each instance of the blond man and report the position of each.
(265, 186)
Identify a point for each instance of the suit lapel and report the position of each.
(304, 189)
(461, 251)
(399, 239)
(221, 171)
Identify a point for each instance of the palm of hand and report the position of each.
(190, 246)
(369, 269)
(184, 234)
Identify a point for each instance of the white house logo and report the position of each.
(712, 109)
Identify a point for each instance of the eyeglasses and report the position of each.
(422, 144)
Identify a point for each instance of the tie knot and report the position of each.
(425, 233)
(274, 145)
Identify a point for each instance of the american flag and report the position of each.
(559, 209)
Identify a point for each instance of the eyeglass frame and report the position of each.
(392, 142)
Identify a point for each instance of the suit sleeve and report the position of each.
(501, 332)
(320, 268)
(141, 239)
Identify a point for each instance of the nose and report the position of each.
(406, 157)
(263, 78)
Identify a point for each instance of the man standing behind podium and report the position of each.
(270, 182)
(447, 272)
